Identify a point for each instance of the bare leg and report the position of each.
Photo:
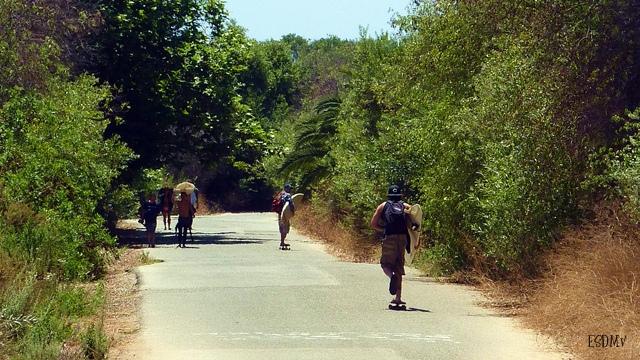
(399, 292)
(389, 272)
(283, 231)
(183, 236)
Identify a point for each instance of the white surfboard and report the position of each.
(286, 213)
(415, 218)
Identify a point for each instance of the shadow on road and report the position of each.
(412, 309)
(418, 310)
(138, 238)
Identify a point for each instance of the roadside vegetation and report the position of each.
(514, 124)
(498, 129)
(590, 286)
(55, 166)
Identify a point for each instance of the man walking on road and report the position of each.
(390, 218)
(185, 218)
(284, 224)
(150, 212)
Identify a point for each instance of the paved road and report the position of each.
(233, 295)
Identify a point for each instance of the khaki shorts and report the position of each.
(284, 226)
(393, 248)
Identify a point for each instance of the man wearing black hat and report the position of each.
(390, 218)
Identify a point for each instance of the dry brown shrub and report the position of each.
(20, 214)
(344, 243)
(206, 207)
(590, 287)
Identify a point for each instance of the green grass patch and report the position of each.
(147, 259)
(40, 314)
(95, 344)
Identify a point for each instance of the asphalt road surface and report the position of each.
(231, 294)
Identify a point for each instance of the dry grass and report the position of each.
(344, 244)
(121, 319)
(206, 207)
(127, 224)
(590, 285)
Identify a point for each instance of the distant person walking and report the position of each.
(284, 225)
(185, 217)
(390, 218)
(165, 195)
(150, 212)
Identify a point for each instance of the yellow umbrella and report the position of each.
(185, 187)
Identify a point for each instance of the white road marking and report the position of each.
(341, 336)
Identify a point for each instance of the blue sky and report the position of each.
(313, 19)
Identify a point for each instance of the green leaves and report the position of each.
(617, 169)
(486, 111)
(58, 163)
(59, 154)
(177, 66)
(310, 157)
(55, 163)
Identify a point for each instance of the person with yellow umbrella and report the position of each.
(186, 210)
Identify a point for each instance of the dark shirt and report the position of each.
(286, 197)
(398, 224)
(151, 211)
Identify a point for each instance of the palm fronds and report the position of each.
(311, 149)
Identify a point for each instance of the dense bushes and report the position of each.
(616, 170)
(487, 113)
(55, 164)
(55, 167)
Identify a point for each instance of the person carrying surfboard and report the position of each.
(284, 225)
(390, 219)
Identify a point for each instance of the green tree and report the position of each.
(486, 111)
(175, 64)
(272, 81)
(324, 63)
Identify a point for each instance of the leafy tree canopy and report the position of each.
(175, 67)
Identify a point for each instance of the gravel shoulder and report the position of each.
(122, 308)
